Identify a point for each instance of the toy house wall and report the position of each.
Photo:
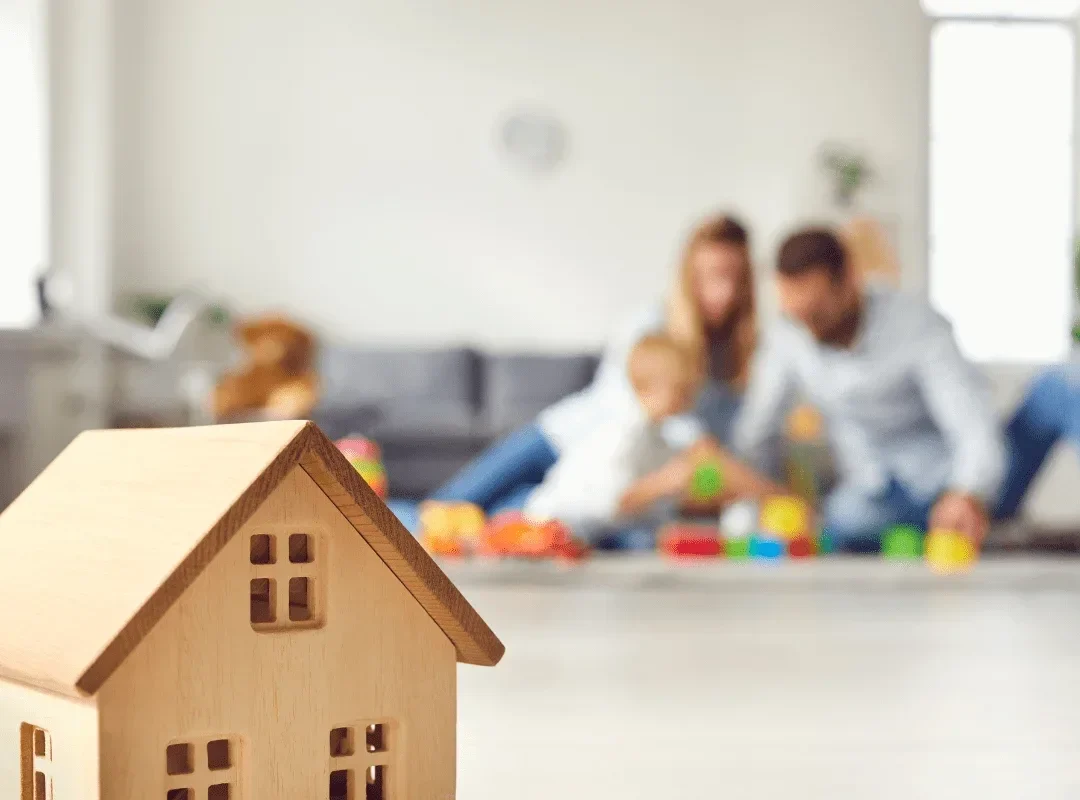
(204, 673)
(72, 730)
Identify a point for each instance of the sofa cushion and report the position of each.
(428, 390)
(518, 387)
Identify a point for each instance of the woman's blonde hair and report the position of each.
(685, 322)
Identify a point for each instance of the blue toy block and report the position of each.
(764, 547)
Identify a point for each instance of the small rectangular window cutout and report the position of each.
(179, 794)
(218, 756)
(339, 785)
(299, 599)
(262, 549)
(40, 743)
(178, 759)
(341, 742)
(41, 787)
(376, 738)
(262, 601)
(300, 549)
(219, 791)
(376, 783)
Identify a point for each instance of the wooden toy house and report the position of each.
(223, 613)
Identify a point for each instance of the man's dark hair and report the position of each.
(812, 249)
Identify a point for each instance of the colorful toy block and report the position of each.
(680, 540)
(451, 529)
(785, 518)
(366, 458)
(902, 543)
(512, 534)
(737, 549)
(767, 548)
(707, 482)
(801, 547)
(740, 520)
(825, 542)
(949, 552)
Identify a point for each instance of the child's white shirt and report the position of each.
(592, 474)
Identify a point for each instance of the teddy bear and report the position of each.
(278, 381)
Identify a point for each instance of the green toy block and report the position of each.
(707, 483)
(737, 548)
(825, 543)
(902, 542)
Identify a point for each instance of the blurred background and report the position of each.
(460, 200)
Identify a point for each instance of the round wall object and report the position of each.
(534, 140)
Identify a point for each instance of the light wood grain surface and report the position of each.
(203, 673)
(70, 729)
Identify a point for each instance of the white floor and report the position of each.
(802, 681)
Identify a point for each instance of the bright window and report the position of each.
(1001, 186)
(22, 158)
(1026, 9)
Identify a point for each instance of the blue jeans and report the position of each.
(1048, 414)
(501, 478)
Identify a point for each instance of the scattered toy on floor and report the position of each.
(689, 540)
(949, 552)
(902, 543)
(366, 458)
(512, 534)
(451, 529)
(807, 449)
(739, 520)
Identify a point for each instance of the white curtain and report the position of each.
(23, 148)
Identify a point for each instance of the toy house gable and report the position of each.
(341, 689)
(221, 613)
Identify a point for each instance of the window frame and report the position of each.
(281, 571)
(199, 779)
(361, 758)
(1068, 25)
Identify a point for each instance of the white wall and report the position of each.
(337, 159)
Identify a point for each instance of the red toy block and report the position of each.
(691, 541)
(801, 547)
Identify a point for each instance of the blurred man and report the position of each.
(911, 421)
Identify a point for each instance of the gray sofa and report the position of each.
(434, 410)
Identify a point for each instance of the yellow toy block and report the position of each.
(949, 552)
(785, 517)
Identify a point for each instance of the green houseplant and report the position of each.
(848, 171)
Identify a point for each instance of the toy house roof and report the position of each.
(123, 521)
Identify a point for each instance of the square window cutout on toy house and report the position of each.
(361, 761)
(203, 769)
(286, 574)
